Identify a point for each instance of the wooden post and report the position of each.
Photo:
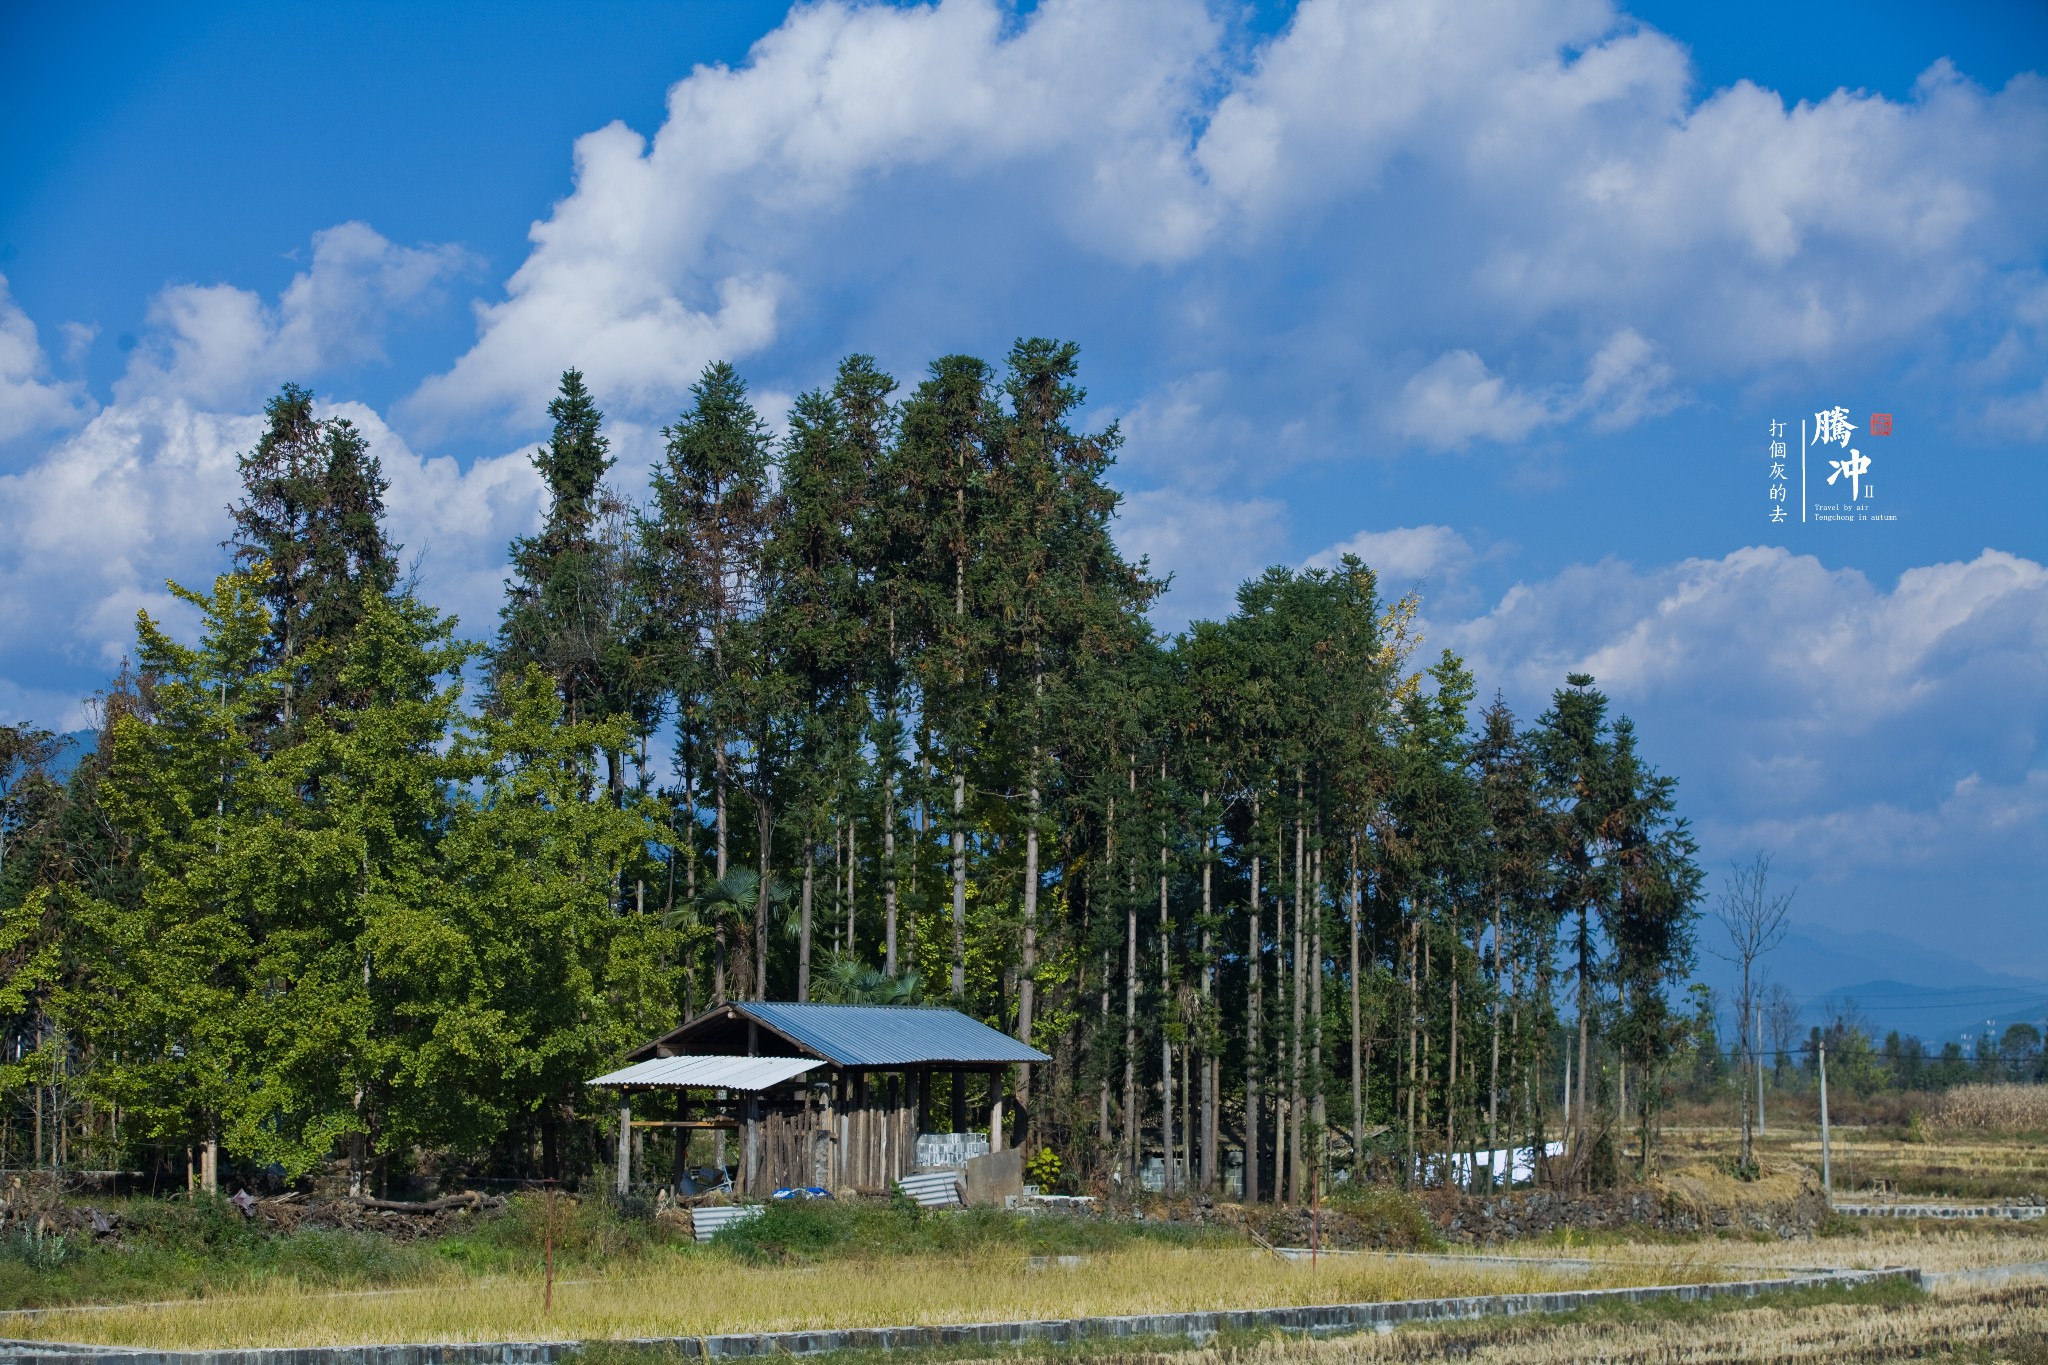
(624, 1180)
(1827, 1169)
(995, 1111)
(861, 1160)
(845, 1145)
(682, 1165)
(753, 1153)
(829, 1121)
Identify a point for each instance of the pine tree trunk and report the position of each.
(764, 825)
(1414, 1016)
(1577, 1126)
(889, 854)
(1027, 980)
(1282, 944)
(1493, 1075)
(1108, 863)
(1132, 1137)
(1208, 1063)
(1165, 1008)
(1295, 1166)
(1319, 1111)
(1422, 1066)
(721, 863)
(1102, 1131)
(803, 947)
(1255, 1010)
(1357, 1043)
(1451, 1060)
(959, 882)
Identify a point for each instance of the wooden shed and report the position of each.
(828, 1095)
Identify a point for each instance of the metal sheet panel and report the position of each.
(890, 1035)
(721, 1073)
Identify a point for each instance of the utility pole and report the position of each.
(1827, 1170)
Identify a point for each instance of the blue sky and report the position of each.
(1502, 296)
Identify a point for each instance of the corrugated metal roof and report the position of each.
(722, 1073)
(889, 1035)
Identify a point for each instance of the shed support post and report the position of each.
(682, 1170)
(625, 1171)
(753, 1154)
(995, 1111)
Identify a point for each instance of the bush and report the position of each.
(583, 1230)
(812, 1230)
(1388, 1217)
(1044, 1170)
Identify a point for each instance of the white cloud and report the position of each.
(1793, 689)
(89, 533)
(1625, 383)
(1403, 557)
(31, 400)
(1455, 399)
(679, 250)
(1532, 183)
(454, 523)
(1209, 544)
(95, 524)
(1889, 743)
(217, 345)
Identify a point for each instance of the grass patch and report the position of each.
(186, 1248)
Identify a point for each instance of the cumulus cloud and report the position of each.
(218, 345)
(31, 400)
(92, 527)
(1209, 545)
(1528, 189)
(1455, 399)
(89, 533)
(682, 249)
(1402, 557)
(1881, 739)
(1788, 689)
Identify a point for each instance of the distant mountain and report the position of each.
(1894, 982)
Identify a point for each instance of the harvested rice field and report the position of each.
(1981, 1327)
